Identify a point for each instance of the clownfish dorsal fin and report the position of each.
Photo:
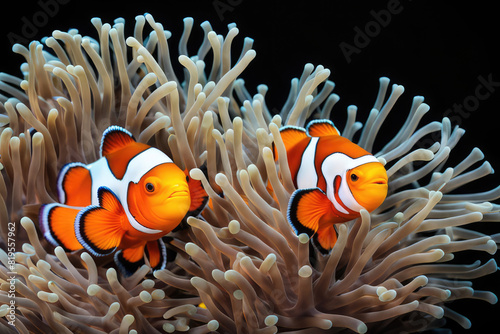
(115, 138)
(291, 135)
(321, 128)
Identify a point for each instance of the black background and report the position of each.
(436, 49)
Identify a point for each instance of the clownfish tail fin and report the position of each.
(115, 138)
(57, 224)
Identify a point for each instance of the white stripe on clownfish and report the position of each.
(307, 176)
(337, 200)
(338, 164)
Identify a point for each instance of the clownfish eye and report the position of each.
(150, 187)
(354, 177)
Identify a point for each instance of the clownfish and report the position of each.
(335, 180)
(126, 202)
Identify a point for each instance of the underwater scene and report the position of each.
(153, 179)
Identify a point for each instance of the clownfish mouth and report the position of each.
(374, 184)
(179, 193)
(380, 181)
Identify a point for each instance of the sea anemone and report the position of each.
(239, 267)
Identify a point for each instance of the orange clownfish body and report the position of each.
(126, 201)
(335, 179)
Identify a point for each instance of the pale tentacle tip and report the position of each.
(305, 271)
(145, 297)
(168, 327)
(380, 290)
(238, 294)
(221, 180)
(422, 279)
(439, 313)
(326, 324)
(231, 275)
(27, 223)
(234, 227)
(213, 325)
(494, 299)
(192, 249)
(158, 294)
(271, 320)
(48, 297)
(28, 249)
(4, 310)
(114, 307)
(93, 289)
(303, 238)
(388, 296)
(128, 319)
(362, 329)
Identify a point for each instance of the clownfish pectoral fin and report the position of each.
(156, 251)
(199, 196)
(321, 128)
(325, 238)
(306, 208)
(199, 199)
(57, 224)
(74, 185)
(290, 135)
(130, 259)
(115, 138)
(99, 228)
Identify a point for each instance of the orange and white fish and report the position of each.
(335, 180)
(127, 201)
